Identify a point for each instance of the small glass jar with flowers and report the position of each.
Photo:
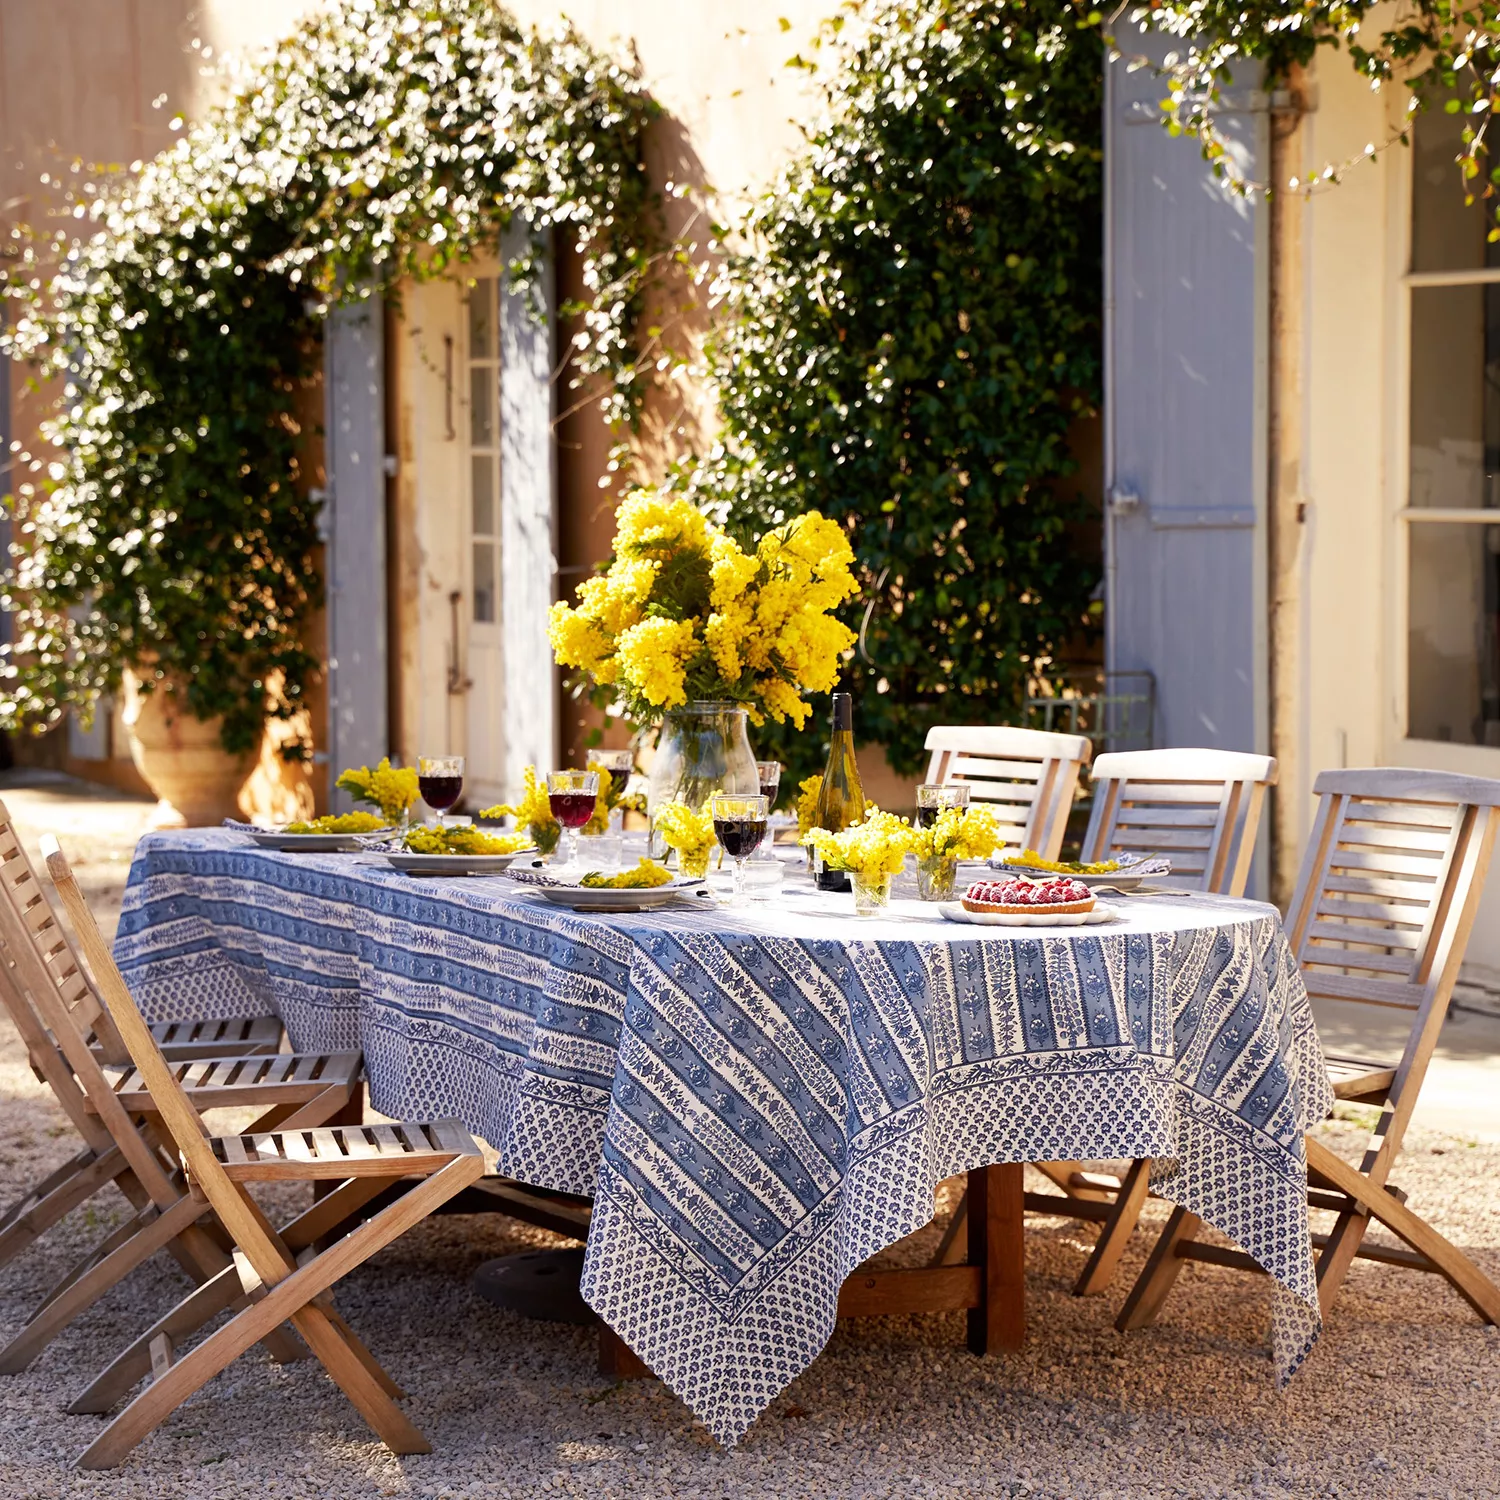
(872, 851)
(958, 833)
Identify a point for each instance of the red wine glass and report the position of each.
(440, 779)
(739, 826)
(572, 796)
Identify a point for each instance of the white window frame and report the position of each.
(1406, 749)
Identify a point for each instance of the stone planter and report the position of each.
(197, 780)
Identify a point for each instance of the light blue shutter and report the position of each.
(1185, 414)
(528, 510)
(354, 527)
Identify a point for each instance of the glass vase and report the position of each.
(702, 748)
(695, 866)
(935, 877)
(872, 894)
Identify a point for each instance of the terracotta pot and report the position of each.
(197, 780)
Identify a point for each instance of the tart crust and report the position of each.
(1055, 909)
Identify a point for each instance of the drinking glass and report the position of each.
(933, 799)
(441, 781)
(620, 764)
(739, 825)
(769, 772)
(572, 795)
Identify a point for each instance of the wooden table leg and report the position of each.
(997, 1247)
(617, 1360)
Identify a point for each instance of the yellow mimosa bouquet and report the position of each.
(873, 849)
(684, 612)
(533, 812)
(392, 790)
(959, 833)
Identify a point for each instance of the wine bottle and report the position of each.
(841, 799)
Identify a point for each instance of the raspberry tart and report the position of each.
(1042, 898)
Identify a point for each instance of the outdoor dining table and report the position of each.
(758, 1099)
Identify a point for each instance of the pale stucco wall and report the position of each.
(1349, 360)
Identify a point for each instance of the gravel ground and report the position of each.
(1400, 1399)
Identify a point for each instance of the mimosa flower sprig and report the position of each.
(683, 612)
(533, 812)
(877, 846)
(393, 790)
(807, 805)
(959, 833)
(690, 832)
(608, 800)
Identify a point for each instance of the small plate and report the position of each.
(1133, 870)
(313, 843)
(452, 864)
(956, 911)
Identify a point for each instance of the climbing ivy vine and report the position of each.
(911, 328)
(167, 525)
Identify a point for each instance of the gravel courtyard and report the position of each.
(1401, 1398)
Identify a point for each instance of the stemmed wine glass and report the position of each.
(440, 778)
(572, 795)
(739, 826)
(769, 772)
(619, 764)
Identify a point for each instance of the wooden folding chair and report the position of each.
(1201, 809)
(1382, 914)
(283, 1276)
(67, 1035)
(1025, 776)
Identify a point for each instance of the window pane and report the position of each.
(1445, 235)
(482, 318)
(481, 407)
(484, 582)
(1453, 639)
(484, 494)
(1455, 396)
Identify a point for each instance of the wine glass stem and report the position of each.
(739, 881)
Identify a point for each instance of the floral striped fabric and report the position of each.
(760, 1100)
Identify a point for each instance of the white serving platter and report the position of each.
(313, 843)
(451, 864)
(956, 911)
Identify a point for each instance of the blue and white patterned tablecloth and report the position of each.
(760, 1100)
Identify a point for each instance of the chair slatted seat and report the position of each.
(68, 1035)
(1202, 810)
(1392, 934)
(1026, 777)
(274, 1277)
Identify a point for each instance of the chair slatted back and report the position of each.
(1026, 777)
(58, 1043)
(1385, 902)
(236, 1210)
(1199, 808)
(70, 982)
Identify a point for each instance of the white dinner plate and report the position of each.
(616, 898)
(956, 911)
(1134, 868)
(312, 843)
(452, 864)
